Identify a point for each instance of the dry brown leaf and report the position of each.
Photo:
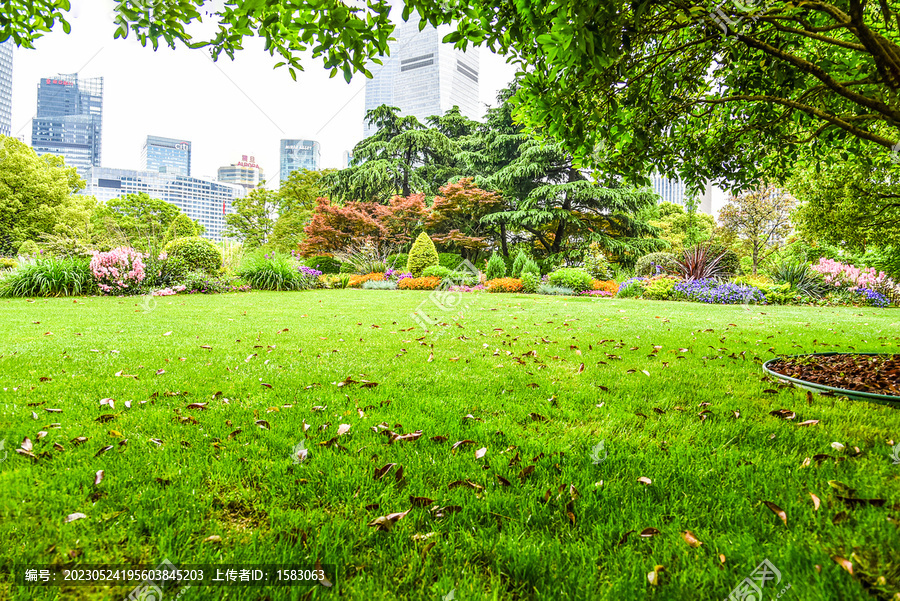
(645, 480)
(460, 443)
(480, 452)
(386, 521)
(777, 511)
(690, 539)
(343, 429)
(843, 563)
(648, 532)
(815, 501)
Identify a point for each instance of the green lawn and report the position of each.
(514, 364)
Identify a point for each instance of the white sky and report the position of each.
(225, 109)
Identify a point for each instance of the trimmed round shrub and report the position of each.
(495, 268)
(647, 265)
(530, 282)
(7, 264)
(571, 277)
(660, 289)
(595, 262)
(29, 247)
(422, 254)
(197, 253)
(324, 263)
(449, 260)
(437, 271)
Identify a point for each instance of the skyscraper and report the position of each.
(675, 191)
(6, 71)
(166, 155)
(423, 77)
(69, 120)
(203, 200)
(245, 173)
(299, 154)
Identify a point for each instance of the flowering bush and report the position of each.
(604, 286)
(842, 275)
(872, 298)
(419, 283)
(169, 291)
(119, 270)
(631, 288)
(356, 281)
(477, 288)
(716, 292)
(504, 285)
(396, 275)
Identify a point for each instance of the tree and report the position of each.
(760, 216)
(136, 220)
(682, 229)
(725, 91)
(296, 200)
(181, 227)
(37, 193)
(254, 218)
(334, 227)
(455, 220)
(848, 206)
(396, 160)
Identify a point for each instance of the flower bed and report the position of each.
(429, 283)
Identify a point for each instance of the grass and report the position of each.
(276, 356)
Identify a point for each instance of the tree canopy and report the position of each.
(716, 93)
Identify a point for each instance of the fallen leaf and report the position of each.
(263, 424)
(645, 480)
(843, 563)
(783, 414)
(653, 577)
(480, 452)
(98, 478)
(809, 422)
(420, 501)
(80, 516)
(526, 472)
(103, 450)
(690, 539)
(343, 429)
(26, 444)
(197, 406)
(323, 580)
(648, 532)
(386, 521)
(815, 501)
(380, 472)
(466, 483)
(460, 443)
(777, 511)
(215, 538)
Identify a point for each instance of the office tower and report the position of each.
(166, 155)
(203, 200)
(423, 77)
(346, 159)
(299, 154)
(675, 191)
(6, 72)
(69, 120)
(245, 173)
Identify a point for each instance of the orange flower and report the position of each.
(504, 285)
(429, 283)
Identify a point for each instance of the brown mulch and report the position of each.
(876, 374)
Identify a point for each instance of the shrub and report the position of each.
(632, 288)
(659, 289)
(717, 292)
(555, 290)
(120, 270)
(27, 248)
(163, 271)
(530, 282)
(324, 263)
(200, 282)
(518, 264)
(840, 275)
(495, 267)
(607, 286)
(871, 298)
(198, 254)
(449, 260)
(181, 227)
(7, 264)
(730, 263)
(504, 285)
(699, 263)
(571, 277)
(530, 266)
(379, 285)
(339, 281)
(364, 258)
(438, 271)
(51, 277)
(419, 283)
(422, 254)
(655, 264)
(271, 271)
(595, 262)
(398, 261)
(800, 276)
(356, 281)
(347, 268)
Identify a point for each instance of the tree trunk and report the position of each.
(755, 256)
(503, 239)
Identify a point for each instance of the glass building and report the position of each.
(299, 154)
(69, 120)
(203, 200)
(6, 72)
(166, 155)
(423, 77)
(245, 173)
(675, 191)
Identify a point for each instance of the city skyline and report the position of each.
(68, 121)
(224, 108)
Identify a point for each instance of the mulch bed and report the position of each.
(875, 374)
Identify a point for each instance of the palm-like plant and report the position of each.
(801, 277)
(699, 263)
